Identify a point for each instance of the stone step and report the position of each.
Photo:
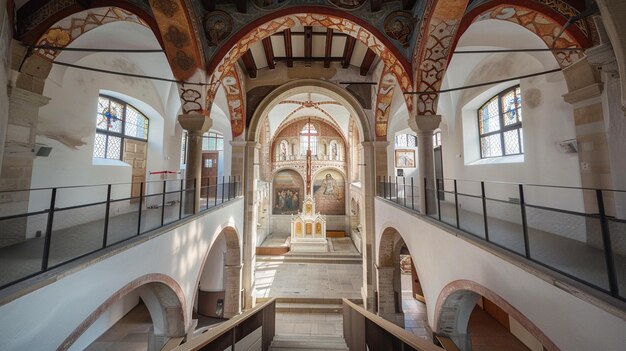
(308, 300)
(308, 342)
(308, 307)
(311, 259)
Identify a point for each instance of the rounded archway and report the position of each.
(163, 298)
(459, 308)
(218, 294)
(400, 294)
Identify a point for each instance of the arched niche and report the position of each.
(287, 191)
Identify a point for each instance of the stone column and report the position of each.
(250, 178)
(386, 296)
(196, 125)
(368, 236)
(380, 151)
(424, 126)
(232, 288)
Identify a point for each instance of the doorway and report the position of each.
(209, 172)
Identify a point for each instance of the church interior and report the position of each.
(313, 175)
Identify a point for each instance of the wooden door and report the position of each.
(136, 155)
(209, 171)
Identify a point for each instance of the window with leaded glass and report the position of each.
(115, 121)
(437, 139)
(500, 125)
(406, 140)
(212, 141)
(308, 139)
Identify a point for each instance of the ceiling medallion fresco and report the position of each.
(217, 26)
(399, 25)
(269, 4)
(347, 4)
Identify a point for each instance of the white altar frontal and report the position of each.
(308, 229)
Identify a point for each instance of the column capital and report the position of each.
(424, 124)
(24, 96)
(195, 122)
(583, 82)
(375, 144)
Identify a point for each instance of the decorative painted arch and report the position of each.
(163, 288)
(458, 298)
(279, 20)
(65, 31)
(384, 98)
(235, 97)
(541, 20)
(326, 168)
(286, 122)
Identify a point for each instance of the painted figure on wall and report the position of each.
(329, 193)
(399, 26)
(288, 190)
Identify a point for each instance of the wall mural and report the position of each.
(288, 192)
(234, 95)
(217, 26)
(269, 4)
(384, 97)
(329, 192)
(399, 26)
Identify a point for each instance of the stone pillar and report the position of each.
(387, 297)
(232, 288)
(585, 89)
(250, 178)
(424, 126)
(196, 125)
(19, 153)
(368, 186)
(380, 152)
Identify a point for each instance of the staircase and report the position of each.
(294, 342)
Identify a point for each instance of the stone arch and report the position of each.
(456, 302)
(541, 21)
(388, 269)
(286, 18)
(232, 269)
(163, 297)
(309, 85)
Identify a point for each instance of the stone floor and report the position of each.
(129, 334)
(309, 324)
(415, 317)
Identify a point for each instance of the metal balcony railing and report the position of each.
(577, 232)
(44, 228)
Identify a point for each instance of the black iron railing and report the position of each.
(577, 232)
(44, 228)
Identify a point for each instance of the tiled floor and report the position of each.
(309, 323)
(415, 317)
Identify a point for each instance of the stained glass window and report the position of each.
(500, 125)
(116, 120)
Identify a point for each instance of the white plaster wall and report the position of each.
(212, 278)
(42, 319)
(441, 258)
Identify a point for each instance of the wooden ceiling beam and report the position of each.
(308, 44)
(248, 62)
(366, 64)
(347, 52)
(329, 46)
(269, 52)
(288, 50)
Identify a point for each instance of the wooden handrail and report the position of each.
(447, 343)
(201, 340)
(402, 335)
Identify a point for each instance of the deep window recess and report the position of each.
(406, 140)
(437, 139)
(115, 121)
(212, 141)
(500, 125)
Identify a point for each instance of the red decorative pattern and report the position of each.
(384, 97)
(232, 84)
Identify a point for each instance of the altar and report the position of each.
(308, 229)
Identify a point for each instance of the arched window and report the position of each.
(115, 121)
(406, 140)
(437, 139)
(308, 138)
(500, 125)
